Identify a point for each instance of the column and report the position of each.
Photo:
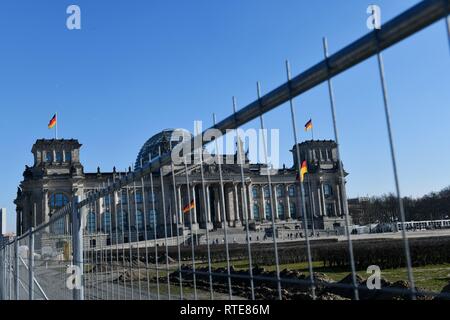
(287, 202)
(208, 203)
(263, 204)
(46, 209)
(323, 199)
(338, 192)
(194, 213)
(319, 201)
(275, 202)
(237, 220)
(251, 214)
(180, 207)
(114, 211)
(229, 204)
(217, 205)
(343, 195)
(101, 212)
(209, 224)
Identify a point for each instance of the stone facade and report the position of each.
(58, 175)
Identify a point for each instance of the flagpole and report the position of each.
(56, 126)
(312, 132)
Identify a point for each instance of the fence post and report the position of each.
(31, 266)
(16, 269)
(77, 244)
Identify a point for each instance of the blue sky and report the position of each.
(137, 67)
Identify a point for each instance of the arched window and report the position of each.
(91, 222)
(106, 222)
(268, 210)
(280, 191)
(256, 211)
(292, 192)
(58, 200)
(281, 210)
(255, 192)
(139, 220)
(151, 218)
(293, 209)
(328, 190)
(48, 156)
(122, 220)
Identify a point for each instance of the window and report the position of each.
(49, 156)
(328, 190)
(58, 200)
(138, 197)
(293, 209)
(68, 156)
(151, 218)
(292, 191)
(266, 192)
(280, 210)
(59, 156)
(255, 192)
(107, 200)
(330, 209)
(280, 191)
(122, 220)
(58, 226)
(139, 220)
(316, 152)
(151, 197)
(256, 211)
(91, 222)
(106, 222)
(124, 197)
(268, 210)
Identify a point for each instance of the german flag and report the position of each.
(187, 208)
(308, 125)
(303, 171)
(52, 122)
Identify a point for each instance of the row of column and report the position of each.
(234, 204)
(322, 201)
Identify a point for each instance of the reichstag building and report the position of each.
(57, 175)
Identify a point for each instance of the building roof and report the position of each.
(43, 143)
(164, 140)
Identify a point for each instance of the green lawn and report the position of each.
(431, 277)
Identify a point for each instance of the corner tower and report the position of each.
(325, 193)
(56, 175)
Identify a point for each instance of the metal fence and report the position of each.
(111, 245)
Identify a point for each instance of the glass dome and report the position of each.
(165, 140)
